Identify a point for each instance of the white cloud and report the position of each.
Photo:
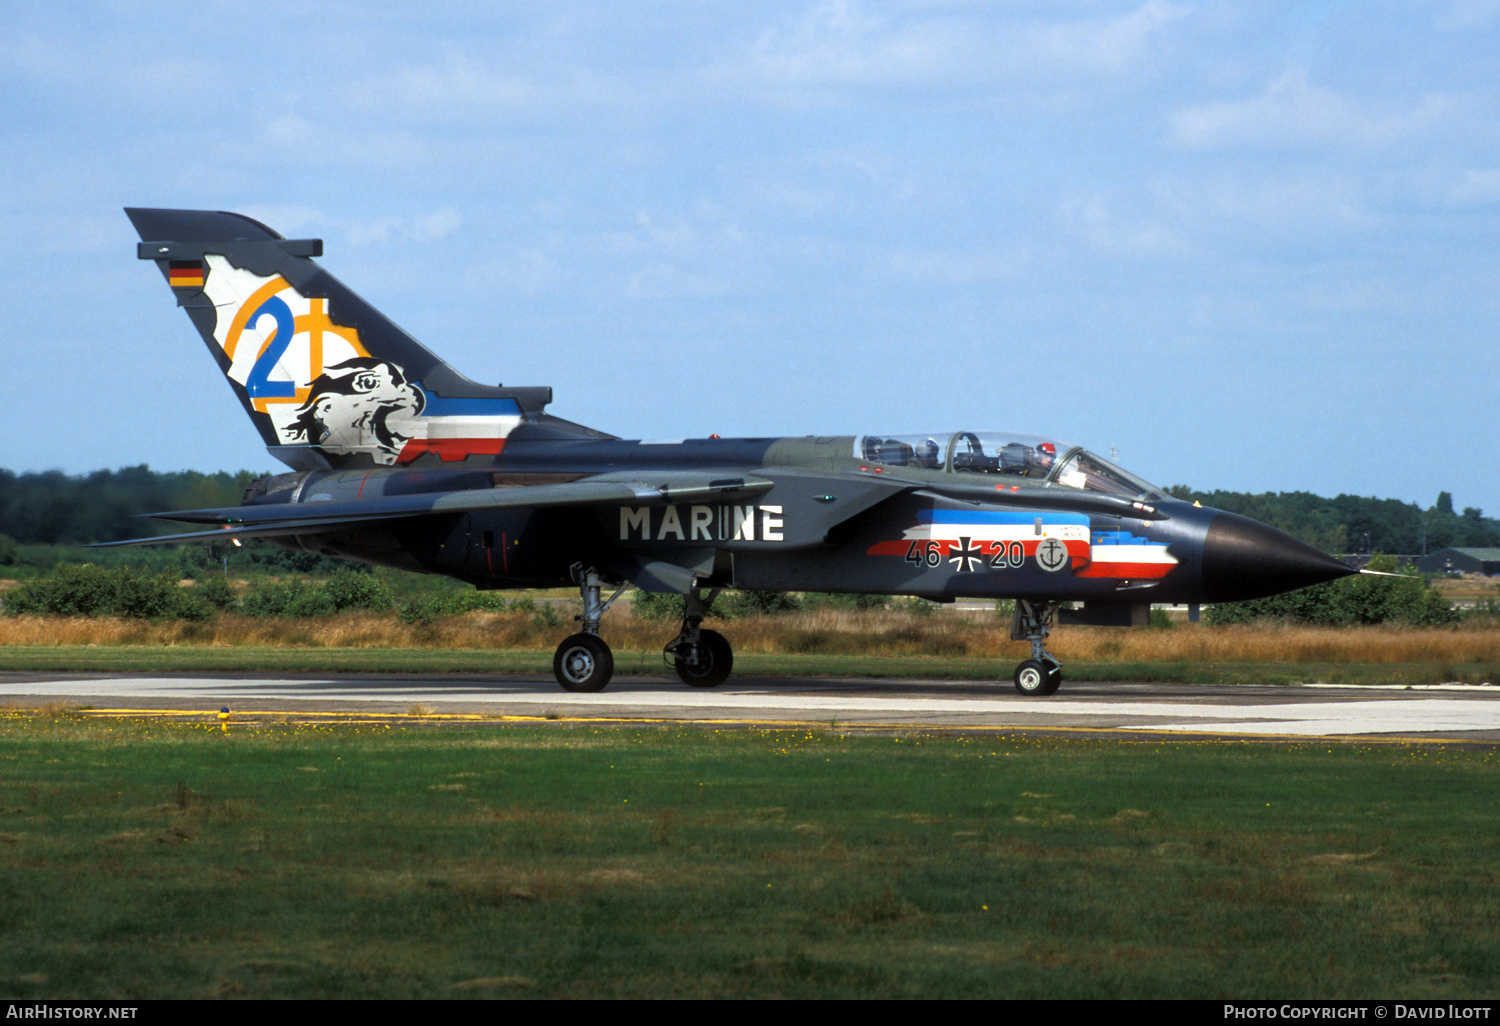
(288, 220)
(419, 228)
(1462, 15)
(94, 74)
(1207, 217)
(1273, 205)
(958, 267)
(455, 87)
(671, 281)
(434, 226)
(1098, 220)
(838, 45)
(1292, 110)
(1477, 185)
(837, 42)
(292, 221)
(1107, 45)
(529, 271)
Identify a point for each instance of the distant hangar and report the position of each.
(1464, 561)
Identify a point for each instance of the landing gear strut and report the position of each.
(702, 658)
(1041, 674)
(584, 662)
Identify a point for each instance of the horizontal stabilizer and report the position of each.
(226, 533)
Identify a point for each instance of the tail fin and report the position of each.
(328, 381)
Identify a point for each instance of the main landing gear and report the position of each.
(583, 662)
(1041, 674)
(701, 658)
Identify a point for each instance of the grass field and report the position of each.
(146, 860)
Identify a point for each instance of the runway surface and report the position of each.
(1440, 712)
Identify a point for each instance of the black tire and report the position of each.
(1036, 679)
(715, 661)
(583, 663)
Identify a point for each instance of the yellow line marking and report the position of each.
(352, 718)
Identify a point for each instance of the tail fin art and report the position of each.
(328, 381)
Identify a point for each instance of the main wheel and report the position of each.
(710, 661)
(583, 663)
(1036, 678)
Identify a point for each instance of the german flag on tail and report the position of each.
(185, 274)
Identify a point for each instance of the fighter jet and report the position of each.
(398, 460)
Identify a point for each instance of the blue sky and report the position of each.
(1247, 245)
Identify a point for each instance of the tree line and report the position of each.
(1356, 524)
(53, 508)
(46, 515)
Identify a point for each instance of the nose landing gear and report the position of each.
(1042, 673)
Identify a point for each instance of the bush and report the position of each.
(656, 608)
(88, 590)
(216, 591)
(470, 600)
(417, 612)
(355, 589)
(841, 600)
(425, 609)
(1359, 599)
(915, 606)
(755, 603)
(289, 599)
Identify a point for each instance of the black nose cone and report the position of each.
(1243, 559)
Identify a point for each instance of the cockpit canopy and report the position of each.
(1044, 461)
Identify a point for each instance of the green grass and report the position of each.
(146, 860)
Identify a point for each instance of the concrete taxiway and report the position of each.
(1442, 712)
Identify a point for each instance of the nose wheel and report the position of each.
(1035, 677)
(1040, 675)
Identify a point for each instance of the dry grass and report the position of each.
(1467, 588)
(827, 631)
(1281, 644)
